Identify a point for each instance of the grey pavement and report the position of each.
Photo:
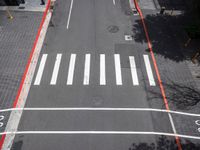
(99, 27)
(174, 62)
(16, 41)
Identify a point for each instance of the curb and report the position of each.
(9, 139)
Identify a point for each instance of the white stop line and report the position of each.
(101, 133)
(99, 109)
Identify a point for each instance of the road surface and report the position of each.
(93, 84)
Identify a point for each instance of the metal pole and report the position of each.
(9, 14)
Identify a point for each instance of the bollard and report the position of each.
(187, 42)
(194, 58)
(172, 11)
(9, 14)
(162, 10)
(42, 2)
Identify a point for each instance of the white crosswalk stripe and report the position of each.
(102, 70)
(71, 69)
(56, 69)
(86, 78)
(133, 70)
(118, 69)
(149, 70)
(41, 69)
(87, 71)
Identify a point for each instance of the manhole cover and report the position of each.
(113, 29)
(97, 101)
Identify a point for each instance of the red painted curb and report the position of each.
(155, 66)
(2, 140)
(27, 65)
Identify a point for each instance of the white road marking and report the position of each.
(103, 133)
(172, 123)
(102, 70)
(114, 2)
(86, 78)
(70, 11)
(99, 109)
(41, 69)
(71, 69)
(56, 69)
(197, 122)
(149, 70)
(14, 119)
(118, 69)
(133, 70)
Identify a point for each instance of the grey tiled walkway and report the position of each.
(16, 41)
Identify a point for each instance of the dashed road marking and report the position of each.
(149, 71)
(71, 69)
(114, 2)
(86, 78)
(118, 69)
(41, 69)
(102, 70)
(70, 11)
(56, 69)
(133, 70)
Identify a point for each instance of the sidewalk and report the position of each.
(17, 37)
(179, 75)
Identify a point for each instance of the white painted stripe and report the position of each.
(172, 123)
(113, 2)
(40, 70)
(71, 69)
(149, 70)
(86, 78)
(102, 70)
(118, 69)
(104, 133)
(70, 11)
(133, 70)
(56, 69)
(100, 109)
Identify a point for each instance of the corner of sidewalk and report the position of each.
(181, 38)
(17, 36)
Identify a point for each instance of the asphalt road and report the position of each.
(86, 64)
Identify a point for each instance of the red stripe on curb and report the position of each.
(16, 101)
(2, 140)
(155, 66)
(31, 54)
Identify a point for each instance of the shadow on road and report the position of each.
(182, 96)
(164, 31)
(167, 31)
(165, 144)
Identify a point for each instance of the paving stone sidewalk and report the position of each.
(180, 76)
(16, 41)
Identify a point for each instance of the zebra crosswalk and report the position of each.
(87, 69)
(71, 69)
